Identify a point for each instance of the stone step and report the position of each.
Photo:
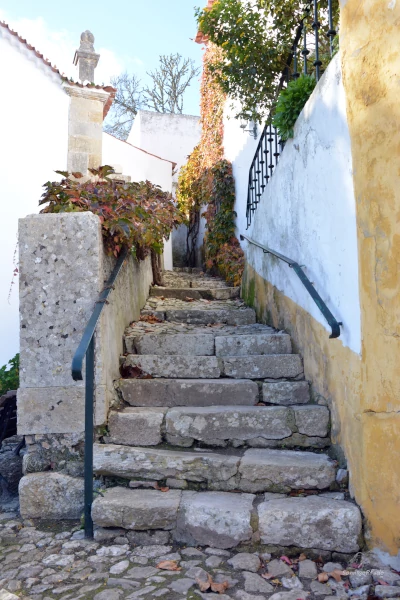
(192, 392)
(250, 345)
(224, 520)
(222, 293)
(269, 366)
(265, 426)
(197, 316)
(253, 471)
(208, 344)
(272, 366)
(286, 392)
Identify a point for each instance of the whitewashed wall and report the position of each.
(307, 211)
(172, 137)
(33, 143)
(140, 166)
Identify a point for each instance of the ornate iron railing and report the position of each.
(269, 147)
(86, 349)
(333, 323)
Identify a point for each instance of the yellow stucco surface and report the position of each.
(371, 442)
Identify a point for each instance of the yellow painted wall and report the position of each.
(363, 392)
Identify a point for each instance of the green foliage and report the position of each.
(256, 37)
(134, 215)
(9, 377)
(290, 103)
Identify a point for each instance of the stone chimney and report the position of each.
(86, 58)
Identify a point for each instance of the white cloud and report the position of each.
(59, 48)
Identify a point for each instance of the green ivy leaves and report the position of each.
(290, 103)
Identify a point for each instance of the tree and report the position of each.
(169, 83)
(128, 100)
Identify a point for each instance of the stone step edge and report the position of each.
(222, 293)
(195, 518)
(234, 480)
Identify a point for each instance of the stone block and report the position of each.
(244, 316)
(154, 464)
(249, 345)
(188, 392)
(285, 470)
(137, 426)
(51, 410)
(202, 367)
(51, 495)
(286, 392)
(219, 425)
(172, 344)
(136, 509)
(312, 420)
(312, 522)
(216, 519)
(274, 366)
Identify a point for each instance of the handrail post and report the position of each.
(89, 405)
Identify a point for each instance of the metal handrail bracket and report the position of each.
(332, 322)
(86, 349)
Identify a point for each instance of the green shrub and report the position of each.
(9, 378)
(291, 102)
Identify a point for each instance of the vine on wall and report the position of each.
(207, 180)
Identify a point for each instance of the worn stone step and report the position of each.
(133, 509)
(250, 345)
(137, 426)
(172, 344)
(234, 316)
(222, 293)
(189, 392)
(286, 392)
(272, 366)
(253, 471)
(312, 522)
(190, 367)
(254, 426)
(225, 520)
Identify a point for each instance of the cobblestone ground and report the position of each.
(52, 560)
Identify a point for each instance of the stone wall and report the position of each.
(62, 270)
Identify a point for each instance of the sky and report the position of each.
(129, 34)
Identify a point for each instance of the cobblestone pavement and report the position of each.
(52, 560)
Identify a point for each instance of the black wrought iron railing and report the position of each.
(333, 323)
(270, 147)
(86, 349)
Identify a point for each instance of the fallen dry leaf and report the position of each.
(276, 581)
(188, 299)
(150, 319)
(267, 575)
(302, 557)
(323, 577)
(168, 565)
(286, 560)
(336, 574)
(204, 585)
(129, 372)
(381, 582)
(219, 587)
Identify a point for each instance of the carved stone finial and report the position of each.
(86, 57)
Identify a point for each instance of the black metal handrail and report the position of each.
(333, 323)
(269, 147)
(86, 349)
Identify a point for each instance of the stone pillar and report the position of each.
(85, 127)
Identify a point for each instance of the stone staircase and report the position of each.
(216, 441)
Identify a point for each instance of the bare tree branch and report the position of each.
(169, 83)
(128, 100)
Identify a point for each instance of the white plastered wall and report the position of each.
(140, 166)
(33, 143)
(307, 211)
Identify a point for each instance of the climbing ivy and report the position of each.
(207, 181)
(256, 39)
(137, 215)
(291, 102)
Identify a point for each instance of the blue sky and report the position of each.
(130, 35)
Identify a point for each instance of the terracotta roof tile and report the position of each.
(112, 91)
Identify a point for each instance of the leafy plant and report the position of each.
(9, 375)
(291, 102)
(256, 38)
(137, 215)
